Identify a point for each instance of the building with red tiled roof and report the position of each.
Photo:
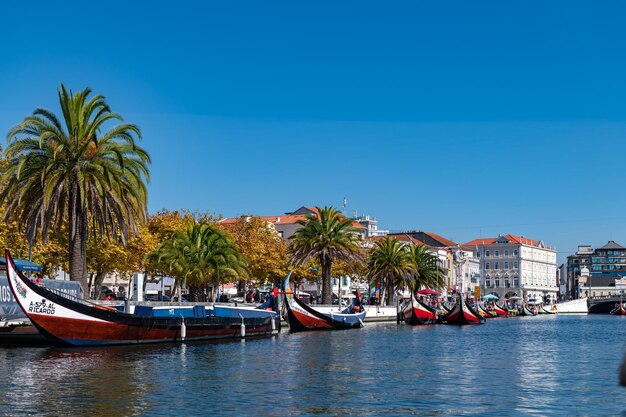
(286, 224)
(459, 263)
(516, 266)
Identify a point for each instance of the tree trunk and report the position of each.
(77, 241)
(194, 293)
(97, 285)
(327, 287)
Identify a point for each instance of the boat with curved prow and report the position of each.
(462, 313)
(618, 310)
(500, 311)
(544, 310)
(486, 313)
(302, 317)
(525, 312)
(65, 321)
(416, 312)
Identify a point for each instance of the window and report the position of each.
(506, 253)
(496, 253)
(497, 282)
(497, 266)
(344, 281)
(487, 253)
(506, 265)
(515, 264)
(515, 282)
(478, 254)
(488, 283)
(507, 283)
(515, 252)
(486, 265)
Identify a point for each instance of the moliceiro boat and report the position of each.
(416, 312)
(618, 310)
(462, 313)
(302, 317)
(64, 321)
(500, 311)
(486, 313)
(525, 311)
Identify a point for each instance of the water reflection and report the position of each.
(551, 365)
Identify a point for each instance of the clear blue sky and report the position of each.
(464, 118)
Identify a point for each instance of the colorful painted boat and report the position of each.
(416, 312)
(302, 317)
(486, 313)
(525, 312)
(500, 312)
(463, 313)
(618, 310)
(64, 321)
(544, 310)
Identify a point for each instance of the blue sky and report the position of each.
(464, 118)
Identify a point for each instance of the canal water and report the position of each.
(545, 365)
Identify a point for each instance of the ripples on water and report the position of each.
(548, 365)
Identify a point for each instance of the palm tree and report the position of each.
(198, 255)
(426, 271)
(390, 264)
(72, 170)
(326, 235)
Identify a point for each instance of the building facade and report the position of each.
(459, 263)
(514, 266)
(371, 224)
(605, 265)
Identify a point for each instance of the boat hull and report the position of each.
(500, 312)
(618, 311)
(417, 313)
(462, 314)
(301, 317)
(72, 322)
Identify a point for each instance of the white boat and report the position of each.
(575, 306)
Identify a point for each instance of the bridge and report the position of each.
(603, 305)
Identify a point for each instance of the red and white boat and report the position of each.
(416, 312)
(462, 313)
(486, 313)
(302, 317)
(64, 321)
(618, 310)
(500, 312)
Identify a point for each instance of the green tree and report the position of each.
(426, 273)
(198, 255)
(390, 264)
(73, 169)
(327, 236)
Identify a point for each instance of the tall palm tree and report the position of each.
(72, 169)
(390, 264)
(427, 273)
(326, 235)
(201, 254)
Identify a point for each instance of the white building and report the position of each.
(371, 224)
(466, 270)
(460, 266)
(516, 266)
